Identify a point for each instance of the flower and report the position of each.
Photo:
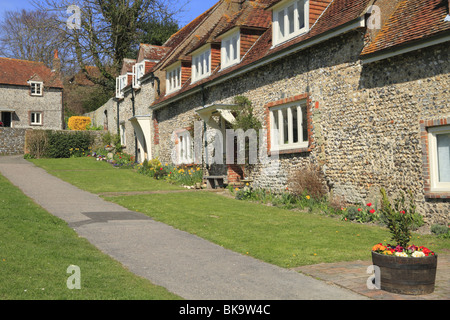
(369, 204)
(418, 254)
(308, 197)
(372, 211)
(401, 254)
(359, 209)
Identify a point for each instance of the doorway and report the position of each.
(6, 118)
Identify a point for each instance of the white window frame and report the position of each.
(231, 50)
(436, 185)
(201, 64)
(121, 83)
(138, 73)
(277, 136)
(38, 87)
(281, 15)
(36, 118)
(173, 78)
(184, 147)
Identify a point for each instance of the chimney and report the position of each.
(56, 63)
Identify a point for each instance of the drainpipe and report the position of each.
(134, 114)
(118, 120)
(204, 129)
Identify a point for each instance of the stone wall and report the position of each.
(12, 141)
(364, 119)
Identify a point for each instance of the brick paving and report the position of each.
(353, 275)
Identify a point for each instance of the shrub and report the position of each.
(61, 143)
(37, 143)
(400, 217)
(79, 123)
(441, 231)
(308, 180)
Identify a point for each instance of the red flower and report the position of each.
(403, 212)
(359, 209)
(160, 169)
(372, 211)
(369, 204)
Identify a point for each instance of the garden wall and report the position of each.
(12, 141)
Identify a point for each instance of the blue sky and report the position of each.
(193, 9)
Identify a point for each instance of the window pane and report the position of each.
(281, 23)
(206, 62)
(33, 118)
(290, 13)
(301, 14)
(304, 125)
(285, 127)
(443, 151)
(294, 124)
(228, 51)
(179, 77)
(235, 48)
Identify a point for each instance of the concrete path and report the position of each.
(185, 264)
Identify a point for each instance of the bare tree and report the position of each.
(29, 35)
(107, 31)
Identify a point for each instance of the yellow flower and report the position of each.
(237, 189)
(308, 197)
(246, 184)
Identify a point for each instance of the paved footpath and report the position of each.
(185, 264)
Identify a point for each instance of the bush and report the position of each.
(441, 231)
(79, 123)
(308, 181)
(61, 143)
(37, 143)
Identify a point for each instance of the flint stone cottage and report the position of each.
(358, 87)
(32, 95)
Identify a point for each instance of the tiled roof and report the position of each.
(19, 72)
(337, 14)
(152, 52)
(412, 20)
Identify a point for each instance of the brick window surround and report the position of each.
(268, 106)
(424, 126)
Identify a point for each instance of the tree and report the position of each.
(29, 35)
(107, 31)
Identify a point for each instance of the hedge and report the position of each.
(57, 144)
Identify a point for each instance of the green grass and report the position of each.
(36, 249)
(286, 238)
(99, 176)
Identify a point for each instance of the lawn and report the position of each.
(37, 248)
(99, 176)
(286, 238)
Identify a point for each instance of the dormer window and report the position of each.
(173, 78)
(201, 64)
(290, 19)
(36, 88)
(231, 47)
(121, 83)
(138, 73)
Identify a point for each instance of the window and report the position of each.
(290, 20)
(201, 66)
(173, 79)
(288, 126)
(230, 52)
(439, 151)
(36, 118)
(184, 147)
(121, 83)
(138, 73)
(36, 88)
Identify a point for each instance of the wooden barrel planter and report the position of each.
(406, 275)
